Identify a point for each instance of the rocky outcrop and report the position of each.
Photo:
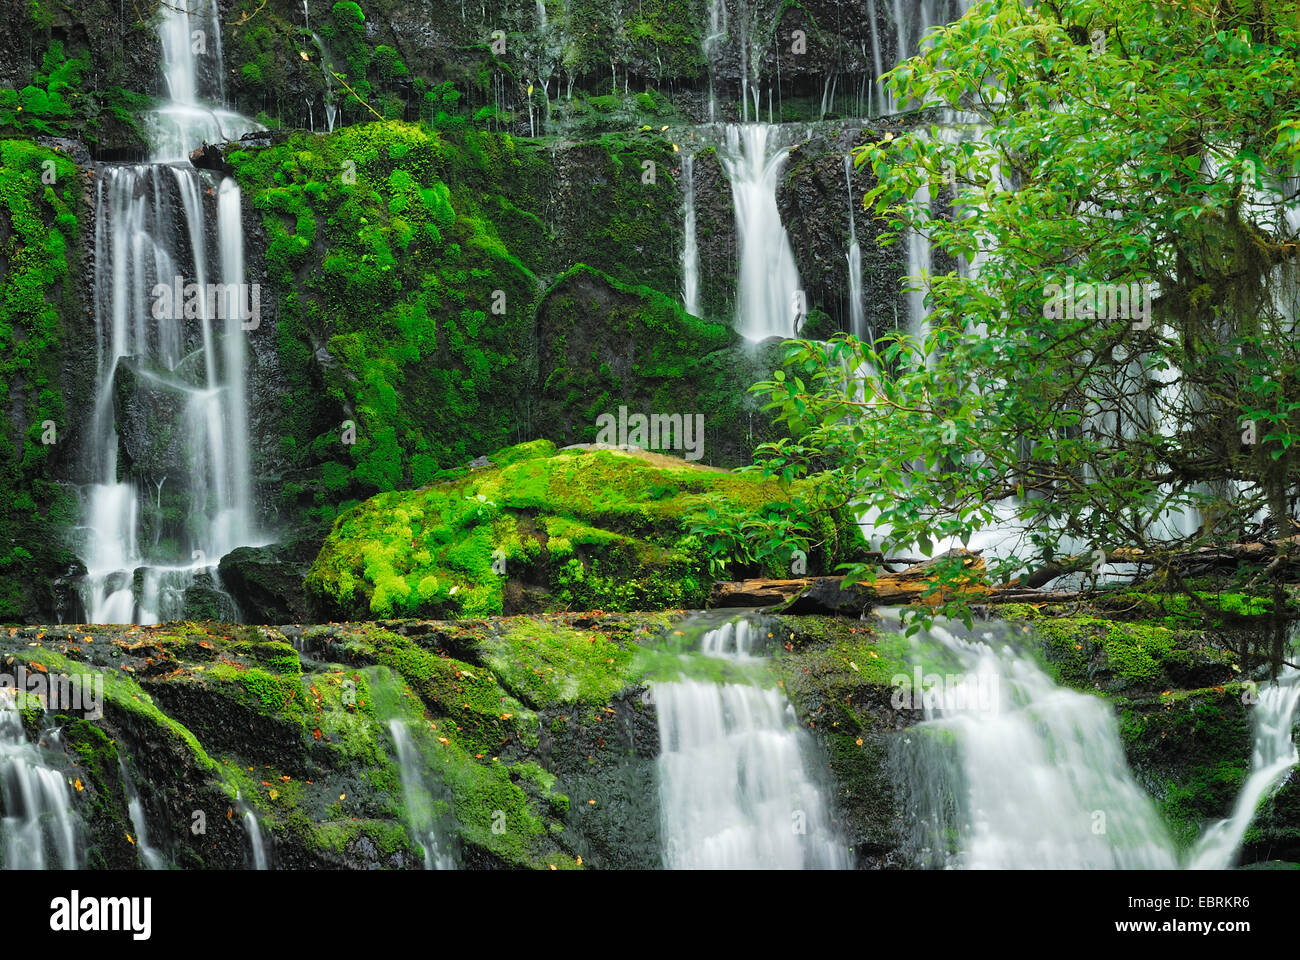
(816, 200)
(266, 582)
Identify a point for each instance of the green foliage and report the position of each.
(1006, 407)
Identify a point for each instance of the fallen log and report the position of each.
(829, 595)
(1286, 550)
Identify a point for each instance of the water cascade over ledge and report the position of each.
(1011, 771)
(736, 776)
(167, 452)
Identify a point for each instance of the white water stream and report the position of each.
(736, 773)
(1011, 771)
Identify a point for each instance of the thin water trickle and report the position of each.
(150, 856)
(690, 249)
(857, 311)
(253, 828)
(420, 815)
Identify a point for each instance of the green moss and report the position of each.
(602, 529)
(546, 664)
(1088, 652)
(123, 693)
(38, 235)
(1192, 750)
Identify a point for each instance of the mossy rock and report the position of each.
(588, 529)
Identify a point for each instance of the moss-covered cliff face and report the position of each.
(40, 234)
(538, 745)
(577, 66)
(407, 271)
(535, 741)
(84, 69)
(528, 729)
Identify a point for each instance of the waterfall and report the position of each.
(717, 32)
(736, 778)
(857, 314)
(1009, 770)
(911, 20)
(770, 301)
(149, 855)
(919, 264)
(252, 827)
(38, 827)
(1273, 757)
(420, 819)
(191, 48)
(690, 249)
(168, 267)
(331, 109)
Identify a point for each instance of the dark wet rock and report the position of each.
(266, 582)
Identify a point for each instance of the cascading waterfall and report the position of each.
(770, 302)
(1273, 758)
(736, 778)
(1009, 770)
(191, 49)
(690, 248)
(39, 829)
(163, 281)
(420, 818)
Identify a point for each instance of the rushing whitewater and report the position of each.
(1036, 777)
(154, 231)
(736, 778)
(39, 829)
(769, 300)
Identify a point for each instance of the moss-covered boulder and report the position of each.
(539, 529)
